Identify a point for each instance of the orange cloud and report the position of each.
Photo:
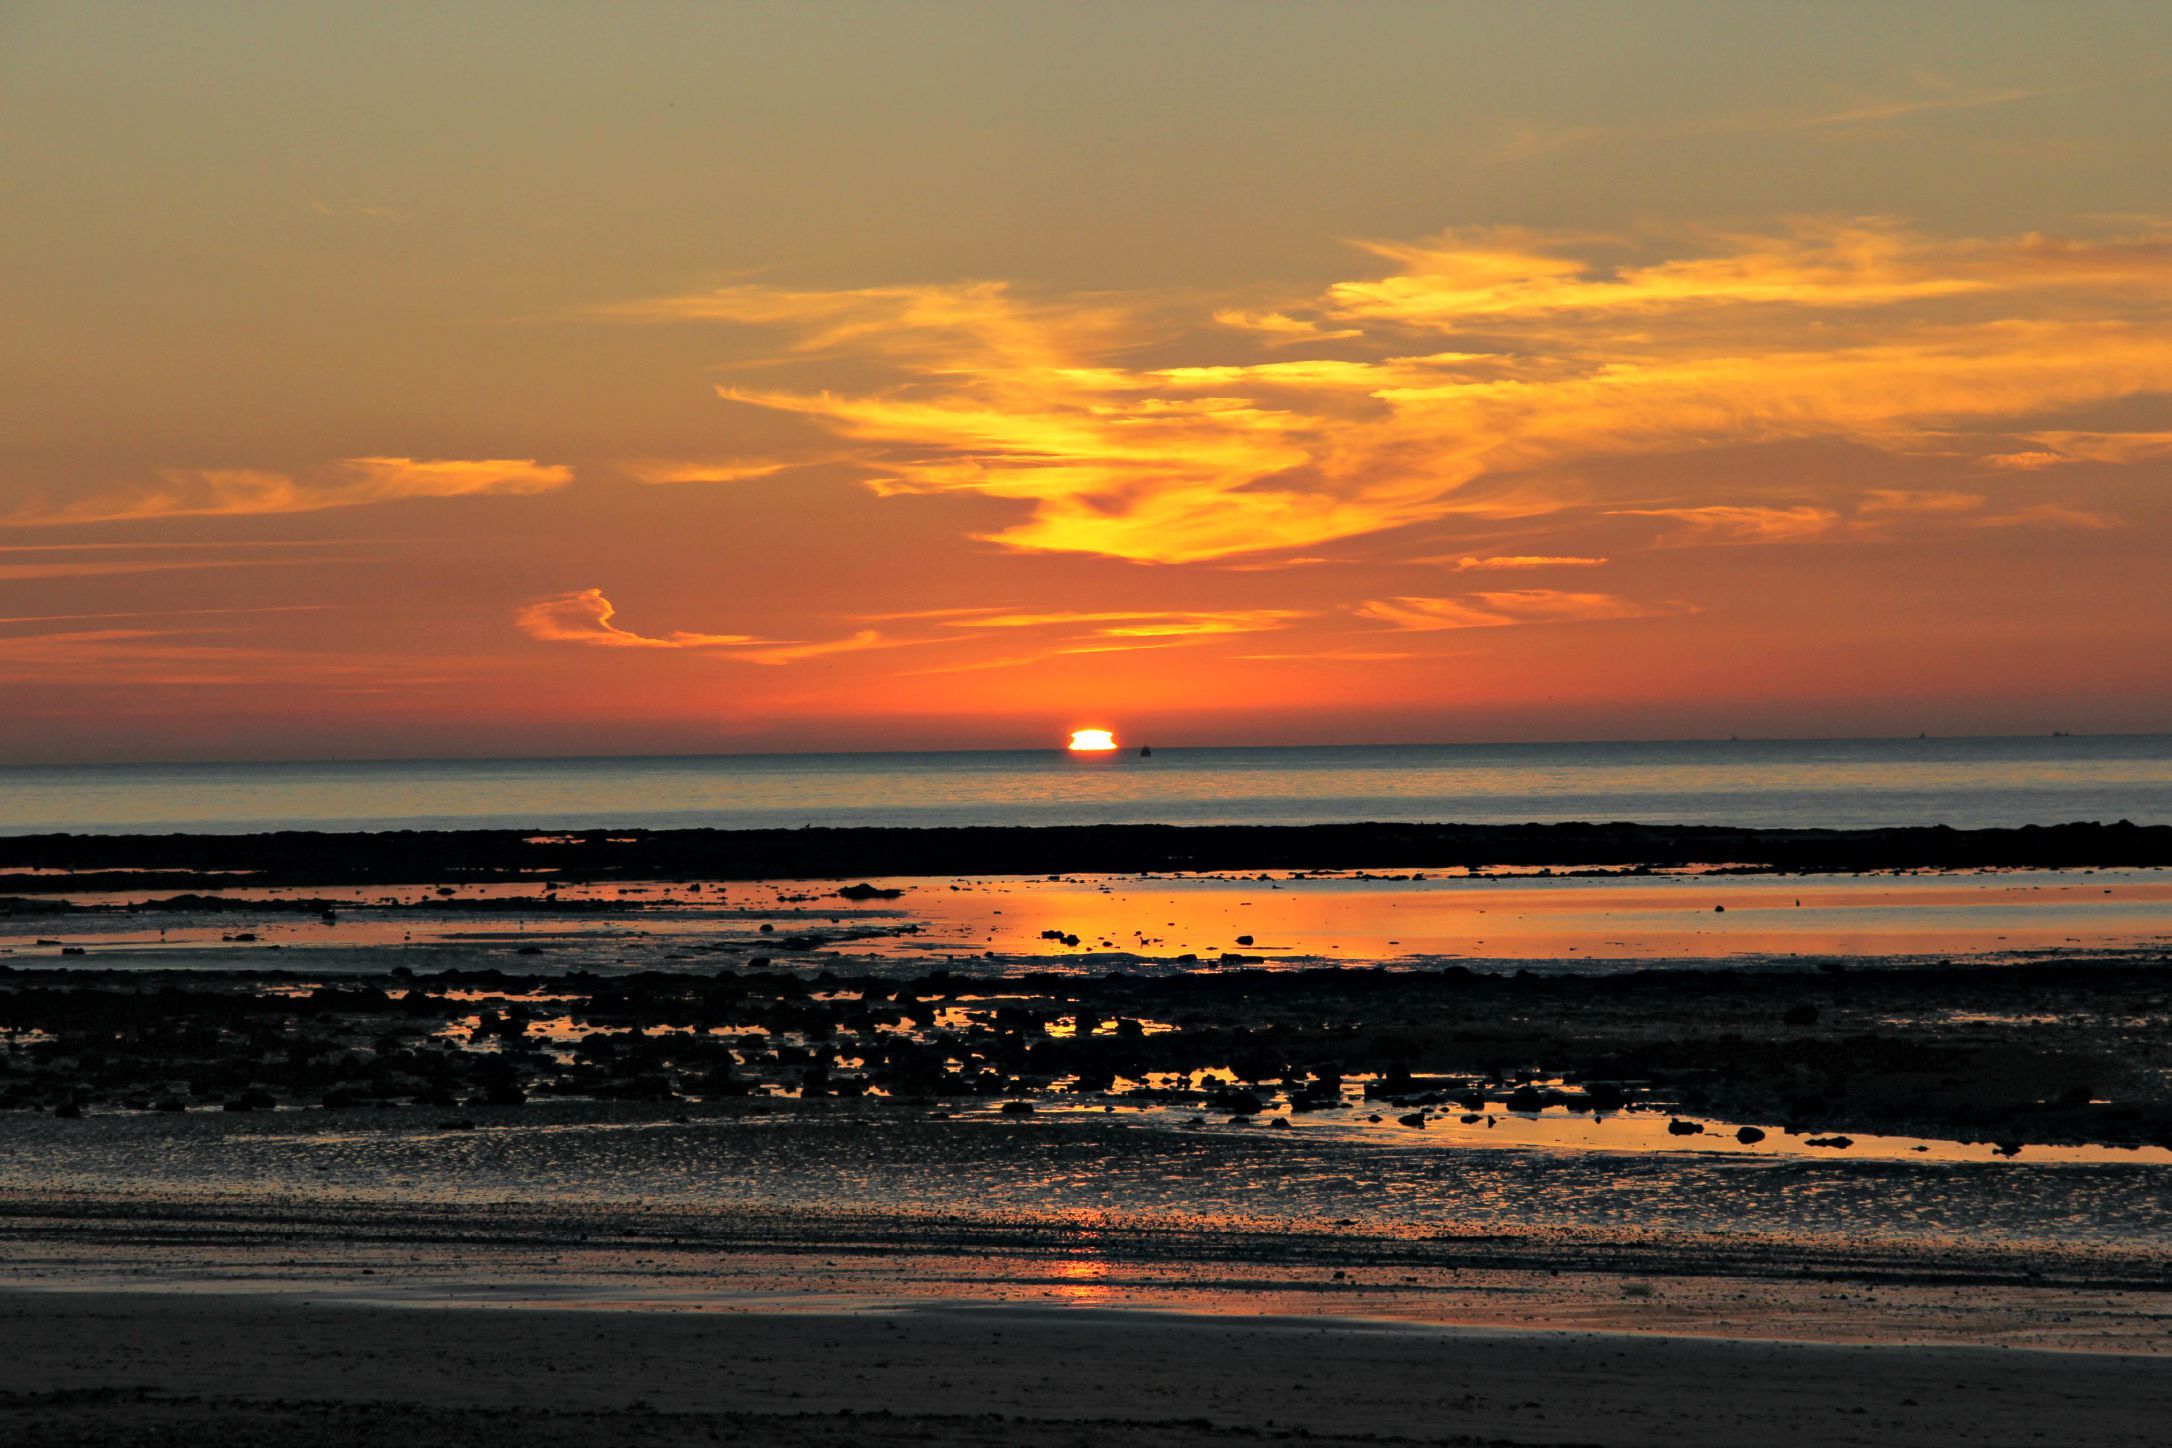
(2027, 462)
(668, 471)
(352, 482)
(1507, 608)
(585, 617)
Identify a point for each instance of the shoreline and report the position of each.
(669, 1257)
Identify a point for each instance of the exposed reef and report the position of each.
(200, 862)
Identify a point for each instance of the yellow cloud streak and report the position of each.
(1118, 624)
(1518, 562)
(1858, 331)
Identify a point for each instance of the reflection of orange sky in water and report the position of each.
(1651, 916)
(1339, 918)
(1636, 1132)
(1083, 1278)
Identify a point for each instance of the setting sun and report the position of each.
(1092, 741)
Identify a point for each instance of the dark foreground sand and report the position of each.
(203, 1368)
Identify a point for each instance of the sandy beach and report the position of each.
(129, 1368)
(1085, 1159)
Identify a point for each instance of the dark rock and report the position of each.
(1236, 1101)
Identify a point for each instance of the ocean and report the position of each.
(1967, 783)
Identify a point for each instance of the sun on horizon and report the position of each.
(1091, 741)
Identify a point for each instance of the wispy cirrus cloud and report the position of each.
(1917, 503)
(182, 648)
(1738, 523)
(1869, 113)
(1506, 608)
(1471, 376)
(351, 482)
(1123, 623)
(2054, 448)
(2051, 515)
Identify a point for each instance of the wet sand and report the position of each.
(148, 1368)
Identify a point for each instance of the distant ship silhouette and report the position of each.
(1146, 751)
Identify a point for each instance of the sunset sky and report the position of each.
(507, 380)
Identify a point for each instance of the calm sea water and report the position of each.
(1961, 782)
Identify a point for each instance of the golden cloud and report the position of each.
(351, 482)
(1519, 562)
(1472, 380)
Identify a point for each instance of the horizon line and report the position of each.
(1060, 750)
